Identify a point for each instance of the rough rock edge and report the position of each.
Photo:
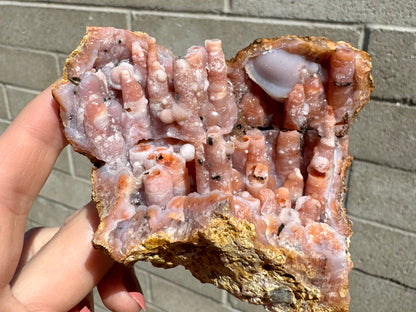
(225, 253)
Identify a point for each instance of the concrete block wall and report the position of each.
(36, 37)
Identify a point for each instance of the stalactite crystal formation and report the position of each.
(235, 170)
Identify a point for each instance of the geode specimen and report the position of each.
(235, 170)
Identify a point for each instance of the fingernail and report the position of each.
(85, 309)
(139, 298)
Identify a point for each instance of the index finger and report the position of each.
(28, 150)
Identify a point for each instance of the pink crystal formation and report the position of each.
(235, 170)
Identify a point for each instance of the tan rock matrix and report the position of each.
(235, 170)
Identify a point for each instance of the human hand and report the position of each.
(50, 269)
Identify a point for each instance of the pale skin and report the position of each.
(50, 269)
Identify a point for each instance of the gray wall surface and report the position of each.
(36, 37)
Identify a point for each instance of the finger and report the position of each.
(28, 150)
(120, 290)
(86, 305)
(34, 240)
(66, 269)
(8, 302)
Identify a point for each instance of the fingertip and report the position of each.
(120, 290)
(86, 305)
(139, 298)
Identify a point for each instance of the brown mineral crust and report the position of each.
(235, 170)
(225, 253)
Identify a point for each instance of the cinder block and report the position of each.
(393, 51)
(306, 10)
(179, 32)
(65, 189)
(386, 134)
(48, 213)
(82, 165)
(99, 308)
(170, 5)
(61, 62)
(50, 28)
(384, 251)
(383, 195)
(177, 5)
(98, 304)
(172, 298)
(151, 308)
(373, 294)
(18, 99)
(184, 278)
(3, 105)
(144, 280)
(245, 307)
(31, 224)
(35, 70)
(400, 12)
(63, 161)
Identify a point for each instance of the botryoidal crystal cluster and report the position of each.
(235, 170)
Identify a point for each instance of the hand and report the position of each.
(50, 269)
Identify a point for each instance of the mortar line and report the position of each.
(66, 6)
(32, 50)
(6, 102)
(79, 179)
(71, 161)
(391, 27)
(361, 38)
(129, 20)
(224, 299)
(227, 6)
(186, 288)
(178, 14)
(21, 88)
(382, 226)
(35, 223)
(372, 162)
(75, 177)
(59, 70)
(85, 7)
(242, 18)
(125, 9)
(312, 21)
(402, 101)
(5, 121)
(53, 201)
(366, 38)
(62, 171)
(392, 280)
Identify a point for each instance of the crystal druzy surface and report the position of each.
(235, 170)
